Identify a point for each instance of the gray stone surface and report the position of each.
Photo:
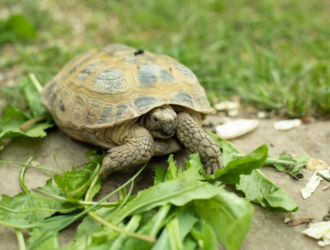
(267, 231)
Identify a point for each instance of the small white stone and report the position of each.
(226, 106)
(287, 124)
(262, 115)
(234, 129)
(233, 112)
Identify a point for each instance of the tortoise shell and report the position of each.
(104, 87)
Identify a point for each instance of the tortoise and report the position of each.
(134, 103)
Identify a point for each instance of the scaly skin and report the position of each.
(166, 146)
(196, 140)
(137, 150)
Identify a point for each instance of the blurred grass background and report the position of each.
(273, 54)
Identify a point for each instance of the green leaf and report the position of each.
(49, 244)
(47, 228)
(13, 119)
(259, 189)
(179, 192)
(16, 28)
(209, 237)
(206, 238)
(33, 207)
(159, 175)
(230, 174)
(186, 221)
(88, 228)
(172, 171)
(194, 161)
(75, 183)
(229, 215)
(288, 163)
(33, 97)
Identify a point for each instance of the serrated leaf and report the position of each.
(172, 171)
(13, 119)
(194, 161)
(159, 175)
(33, 207)
(33, 97)
(75, 183)
(259, 189)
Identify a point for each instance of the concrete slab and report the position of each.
(268, 230)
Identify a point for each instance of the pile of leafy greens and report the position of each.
(184, 209)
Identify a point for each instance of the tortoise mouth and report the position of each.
(162, 134)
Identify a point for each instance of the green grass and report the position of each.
(274, 54)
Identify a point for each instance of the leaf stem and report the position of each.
(29, 123)
(20, 239)
(84, 203)
(30, 166)
(91, 187)
(163, 211)
(35, 82)
(323, 177)
(89, 181)
(121, 230)
(270, 160)
(22, 176)
(124, 201)
(131, 226)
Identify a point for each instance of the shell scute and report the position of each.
(111, 80)
(145, 103)
(150, 74)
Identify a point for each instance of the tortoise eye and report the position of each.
(155, 119)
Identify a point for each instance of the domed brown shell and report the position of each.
(108, 86)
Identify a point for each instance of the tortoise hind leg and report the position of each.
(137, 150)
(196, 140)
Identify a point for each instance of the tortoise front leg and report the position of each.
(196, 140)
(137, 150)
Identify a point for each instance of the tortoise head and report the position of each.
(161, 122)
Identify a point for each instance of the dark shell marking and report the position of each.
(93, 113)
(111, 81)
(152, 73)
(124, 111)
(143, 103)
(107, 116)
(182, 97)
(187, 73)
